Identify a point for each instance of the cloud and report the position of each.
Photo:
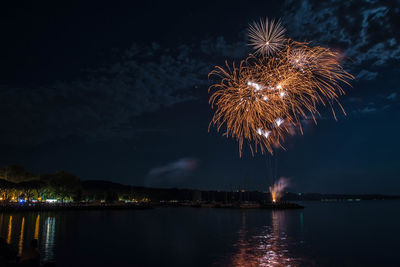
(366, 75)
(107, 100)
(370, 109)
(172, 173)
(177, 168)
(368, 105)
(392, 96)
(366, 30)
(221, 48)
(367, 110)
(354, 99)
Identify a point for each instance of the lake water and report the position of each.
(365, 233)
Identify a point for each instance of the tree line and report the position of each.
(17, 183)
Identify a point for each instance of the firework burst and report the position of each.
(263, 99)
(266, 37)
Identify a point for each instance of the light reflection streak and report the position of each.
(49, 232)
(9, 230)
(302, 235)
(36, 234)
(269, 248)
(18, 229)
(1, 221)
(21, 237)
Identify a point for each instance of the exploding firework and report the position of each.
(277, 189)
(248, 109)
(266, 37)
(263, 99)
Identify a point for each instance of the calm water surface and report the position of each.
(365, 233)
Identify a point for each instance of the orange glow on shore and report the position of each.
(273, 196)
(277, 189)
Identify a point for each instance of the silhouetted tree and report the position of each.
(111, 196)
(6, 189)
(64, 184)
(15, 173)
(27, 189)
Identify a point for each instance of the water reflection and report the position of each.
(19, 229)
(36, 234)
(21, 237)
(266, 247)
(49, 233)
(9, 230)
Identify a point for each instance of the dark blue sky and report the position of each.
(118, 91)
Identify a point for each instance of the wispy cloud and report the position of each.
(172, 173)
(367, 110)
(366, 75)
(106, 100)
(366, 30)
(221, 48)
(392, 96)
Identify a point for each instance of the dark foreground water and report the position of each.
(365, 233)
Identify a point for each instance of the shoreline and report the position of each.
(34, 207)
(66, 207)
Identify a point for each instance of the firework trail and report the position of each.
(263, 98)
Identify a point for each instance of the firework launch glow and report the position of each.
(278, 188)
(263, 98)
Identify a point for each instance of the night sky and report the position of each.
(119, 91)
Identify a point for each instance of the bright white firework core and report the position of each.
(279, 121)
(256, 86)
(264, 133)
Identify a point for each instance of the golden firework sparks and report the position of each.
(263, 98)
